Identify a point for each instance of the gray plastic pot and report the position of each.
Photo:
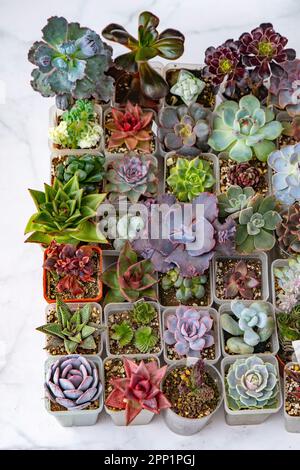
(187, 426)
(225, 308)
(78, 417)
(277, 263)
(292, 423)
(245, 417)
(214, 314)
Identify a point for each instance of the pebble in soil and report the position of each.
(292, 391)
(227, 265)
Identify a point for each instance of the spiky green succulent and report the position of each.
(234, 200)
(143, 313)
(88, 168)
(64, 214)
(122, 333)
(245, 129)
(186, 288)
(145, 339)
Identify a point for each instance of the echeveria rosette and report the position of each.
(244, 130)
(252, 383)
(73, 382)
(71, 63)
(288, 278)
(188, 87)
(240, 280)
(244, 175)
(190, 331)
(285, 90)
(234, 200)
(249, 317)
(286, 178)
(264, 49)
(288, 232)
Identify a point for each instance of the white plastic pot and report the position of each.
(214, 314)
(278, 263)
(225, 308)
(77, 417)
(245, 417)
(188, 426)
(292, 423)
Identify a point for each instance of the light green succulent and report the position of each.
(143, 312)
(122, 333)
(252, 383)
(186, 288)
(245, 129)
(145, 339)
(188, 87)
(234, 200)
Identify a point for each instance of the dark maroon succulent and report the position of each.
(244, 175)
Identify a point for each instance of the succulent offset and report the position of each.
(285, 163)
(240, 281)
(288, 278)
(285, 90)
(186, 288)
(188, 87)
(234, 200)
(89, 170)
(288, 231)
(73, 382)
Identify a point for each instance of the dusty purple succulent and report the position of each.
(189, 330)
(73, 382)
(285, 90)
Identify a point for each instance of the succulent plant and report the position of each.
(285, 163)
(169, 45)
(184, 128)
(186, 288)
(264, 49)
(73, 382)
(290, 127)
(131, 127)
(123, 228)
(234, 200)
(289, 324)
(122, 333)
(256, 225)
(132, 176)
(139, 390)
(285, 90)
(244, 129)
(288, 232)
(244, 175)
(188, 87)
(288, 278)
(143, 313)
(64, 213)
(240, 280)
(129, 279)
(71, 63)
(252, 383)
(145, 339)
(72, 329)
(190, 331)
(89, 170)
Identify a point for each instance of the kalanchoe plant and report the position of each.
(186, 288)
(169, 45)
(143, 313)
(64, 213)
(129, 279)
(73, 382)
(132, 176)
(244, 175)
(234, 200)
(285, 163)
(131, 127)
(252, 383)
(139, 390)
(184, 128)
(285, 90)
(240, 280)
(190, 331)
(72, 329)
(288, 278)
(288, 231)
(188, 87)
(244, 129)
(71, 63)
(89, 170)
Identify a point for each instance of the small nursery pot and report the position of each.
(245, 417)
(214, 314)
(292, 423)
(119, 417)
(262, 257)
(277, 263)
(77, 417)
(56, 154)
(187, 426)
(71, 300)
(225, 308)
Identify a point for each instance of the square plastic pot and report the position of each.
(225, 308)
(245, 417)
(77, 417)
(119, 417)
(114, 308)
(277, 263)
(187, 426)
(70, 153)
(262, 257)
(54, 114)
(292, 423)
(216, 330)
(73, 307)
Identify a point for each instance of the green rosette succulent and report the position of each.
(88, 168)
(64, 214)
(234, 200)
(188, 87)
(245, 129)
(186, 288)
(143, 313)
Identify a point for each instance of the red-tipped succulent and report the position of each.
(240, 281)
(131, 127)
(139, 390)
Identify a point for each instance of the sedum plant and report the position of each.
(72, 329)
(129, 279)
(169, 45)
(188, 87)
(139, 390)
(64, 214)
(186, 288)
(143, 313)
(122, 333)
(252, 383)
(244, 129)
(240, 280)
(184, 129)
(190, 331)
(285, 90)
(131, 127)
(132, 176)
(89, 170)
(234, 200)
(73, 382)
(71, 62)
(189, 178)
(288, 278)
(288, 232)
(285, 163)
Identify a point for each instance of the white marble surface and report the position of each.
(24, 162)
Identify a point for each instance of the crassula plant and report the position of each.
(288, 231)
(71, 62)
(288, 280)
(240, 281)
(188, 87)
(186, 288)
(139, 390)
(285, 163)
